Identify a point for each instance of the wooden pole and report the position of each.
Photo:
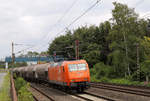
(12, 47)
(77, 49)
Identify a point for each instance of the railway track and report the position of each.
(42, 93)
(124, 89)
(92, 97)
(83, 96)
(101, 97)
(35, 99)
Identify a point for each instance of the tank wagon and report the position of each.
(66, 74)
(41, 72)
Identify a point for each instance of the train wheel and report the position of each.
(66, 89)
(80, 90)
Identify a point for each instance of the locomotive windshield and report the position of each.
(77, 67)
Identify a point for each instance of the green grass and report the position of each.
(5, 89)
(121, 81)
(22, 89)
(126, 82)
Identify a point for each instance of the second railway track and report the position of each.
(125, 89)
(42, 93)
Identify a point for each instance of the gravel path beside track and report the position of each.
(1, 78)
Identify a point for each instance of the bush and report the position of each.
(24, 94)
(101, 70)
(22, 91)
(104, 79)
(92, 72)
(121, 81)
(19, 82)
(126, 82)
(93, 79)
(129, 77)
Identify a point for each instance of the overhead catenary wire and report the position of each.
(61, 18)
(67, 11)
(75, 20)
(20, 44)
(24, 50)
(16, 44)
(58, 21)
(69, 25)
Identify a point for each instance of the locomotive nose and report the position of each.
(79, 76)
(80, 79)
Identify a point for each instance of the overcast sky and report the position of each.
(35, 21)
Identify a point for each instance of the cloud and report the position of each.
(34, 21)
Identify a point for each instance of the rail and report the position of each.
(121, 88)
(79, 95)
(43, 93)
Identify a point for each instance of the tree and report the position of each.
(61, 44)
(145, 65)
(32, 54)
(111, 44)
(44, 54)
(123, 36)
(93, 45)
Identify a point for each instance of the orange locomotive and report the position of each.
(70, 74)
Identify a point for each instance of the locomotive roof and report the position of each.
(60, 63)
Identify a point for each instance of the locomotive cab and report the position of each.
(78, 73)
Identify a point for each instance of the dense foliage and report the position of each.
(22, 90)
(33, 54)
(118, 48)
